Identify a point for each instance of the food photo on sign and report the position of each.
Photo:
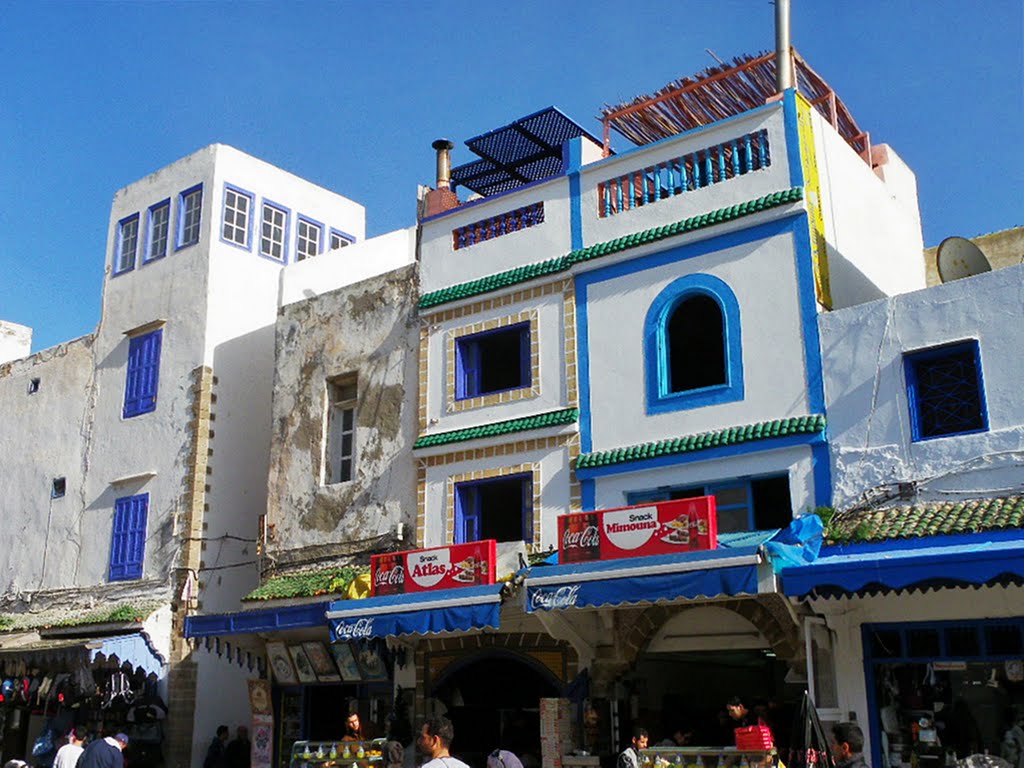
(423, 570)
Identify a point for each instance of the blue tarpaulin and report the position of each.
(422, 613)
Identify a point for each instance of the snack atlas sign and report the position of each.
(659, 528)
(422, 570)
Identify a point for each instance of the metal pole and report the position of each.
(783, 61)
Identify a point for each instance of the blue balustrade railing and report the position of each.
(694, 170)
(496, 226)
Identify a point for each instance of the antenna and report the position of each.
(958, 258)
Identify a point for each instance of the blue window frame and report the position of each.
(946, 390)
(143, 373)
(236, 225)
(127, 244)
(693, 351)
(743, 504)
(128, 539)
(492, 361)
(274, 231)
(309, 238)
(158, 222)
(499, 508)
(339, 239)
(190, 216)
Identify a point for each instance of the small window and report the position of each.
(143, 374)
(33, 386)
(59, 488)
(128, 539)
(341, 430)
(946, 391)
(190, 209)
(157, 230)
(127, 243)
(309, 235)
(695, 338)
(500, 508)
(492, 361)
(340, 240)
(273, 232)
(237, 216)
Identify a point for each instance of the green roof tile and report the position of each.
(117, 614)
(938, 518)
(730, 436)
(307, 584)
(561, 263)
(549, 419)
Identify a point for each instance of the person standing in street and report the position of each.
(104, 753)
(630, 756)
(435, 741)
(67, 756)
(239, 751)
(848, 746)
(216, 755)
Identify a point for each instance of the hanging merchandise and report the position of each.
(809, 747)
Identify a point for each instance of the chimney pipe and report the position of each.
(444, 163)
(783, 59)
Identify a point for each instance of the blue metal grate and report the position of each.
(524, 151)
(945, 389)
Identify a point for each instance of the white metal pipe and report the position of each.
(783, 61)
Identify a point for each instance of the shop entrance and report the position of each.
(493, 701)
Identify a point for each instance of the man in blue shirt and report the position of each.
(104, 753)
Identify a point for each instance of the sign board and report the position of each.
(658, 528)
(422, 570)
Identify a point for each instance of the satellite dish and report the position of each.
(958, 258)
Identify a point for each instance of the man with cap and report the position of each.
(104, 753)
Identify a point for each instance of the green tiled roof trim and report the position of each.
(307, 584)
(801, 425)
(562, 263)
(926, 519)
(549, 419)
(62, 618)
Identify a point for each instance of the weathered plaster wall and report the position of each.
(872, 227)
(368, 328)
(865, 389)
(15, 341)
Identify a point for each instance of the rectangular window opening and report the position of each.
(237, 212)
(143, 374)
(59, 488)
(158, 229)
(33, 386)
(339, 240)
(127, 243)
(343, 397)
(128, 538)
(493, 361)
(500, 508)
(308, 236)
(945, 390)
(190, 207)
(273, 232)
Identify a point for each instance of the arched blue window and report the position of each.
(692, 347)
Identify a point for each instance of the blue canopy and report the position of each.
(971, 559)
(732, 569)
(421, 613)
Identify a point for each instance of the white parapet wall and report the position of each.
(15, 341)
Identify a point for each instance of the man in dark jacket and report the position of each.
(240, 749)
(104, 753)
(216, 755)
(847, 746)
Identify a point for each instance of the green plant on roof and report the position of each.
(6, 622)
(307, 584)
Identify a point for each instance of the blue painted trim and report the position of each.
(910, 360)
(572, 162)
(142, 374)
(808, 298)
(286, 235)
(128, 538)
(147, 255)
(320, 241)
(821, 470)
(588, 494)
(350, 239)
(792, 126)
(708, 454)
(467, 366)
(657, 365)
(260, 620)
(117, 269)
(789, 223)
(462, 513)
(179, 224)
(248, 219)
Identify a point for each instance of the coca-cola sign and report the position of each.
(421, 570)
(560, 597)
(659, 528)
(353, 630)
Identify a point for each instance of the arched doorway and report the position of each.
(493, 700)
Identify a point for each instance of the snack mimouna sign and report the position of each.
(422, 570)
(658, 528)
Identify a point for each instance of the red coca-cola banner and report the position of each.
(423, 570)
(658, 528)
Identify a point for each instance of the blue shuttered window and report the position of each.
(143, 374)
(128, 541)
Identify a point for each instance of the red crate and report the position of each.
(754, 737)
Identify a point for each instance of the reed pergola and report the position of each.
(725, 91)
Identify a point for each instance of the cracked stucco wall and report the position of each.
(865, 389)
(367, 329)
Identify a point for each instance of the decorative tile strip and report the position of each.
(549, 419)
(496, 226)
(685, 173)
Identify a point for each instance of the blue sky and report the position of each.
(96, 95)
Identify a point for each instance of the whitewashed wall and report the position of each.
(866, 393)
(15, 341)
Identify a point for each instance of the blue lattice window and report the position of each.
(946, 390)
(128, 540)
